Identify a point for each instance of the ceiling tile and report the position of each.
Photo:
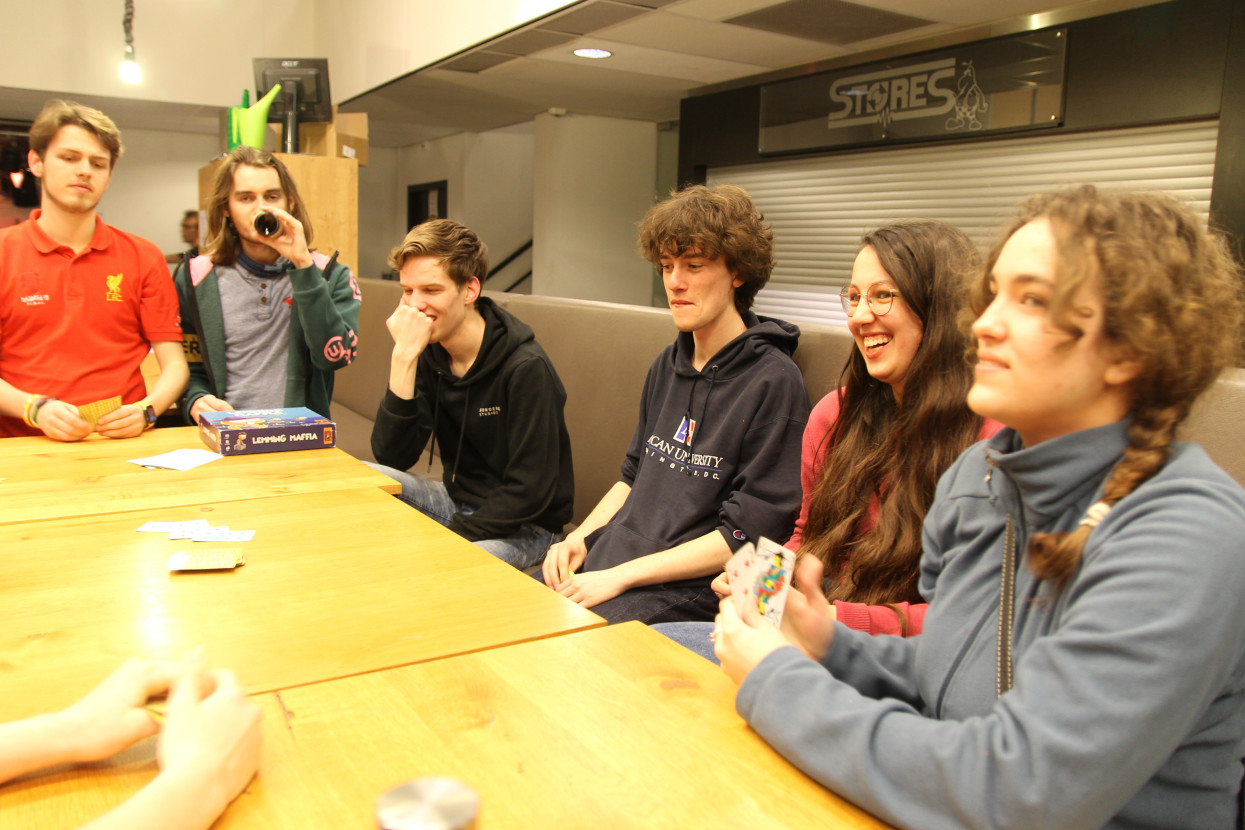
(710, 39)
(721, 9)
(590, 17)
(528, 41)
(642, 60)
(830, 21)
(475, 61)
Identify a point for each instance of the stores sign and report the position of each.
(1004, 84)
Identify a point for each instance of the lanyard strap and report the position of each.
(1007, 608)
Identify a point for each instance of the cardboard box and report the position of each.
(245, 431)
(345, 137)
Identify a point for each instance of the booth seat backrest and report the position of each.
(1217, 422)
(358, 388)
(602, 352)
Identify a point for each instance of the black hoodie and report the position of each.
(502, 437)
(738, 469)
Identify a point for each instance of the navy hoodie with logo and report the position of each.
(500, 430)
(717, 449)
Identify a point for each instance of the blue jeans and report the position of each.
(690, 635)
(523, 550)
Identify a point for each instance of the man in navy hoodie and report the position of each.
(471, 376)
(715, 460)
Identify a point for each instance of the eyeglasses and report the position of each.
(879, 300)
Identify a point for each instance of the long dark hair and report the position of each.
(895, 451)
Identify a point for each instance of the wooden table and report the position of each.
(45, 479)
(612, 728)
(336, 583)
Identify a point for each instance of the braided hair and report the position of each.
(1171, 302)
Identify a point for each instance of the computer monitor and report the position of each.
(304, 93)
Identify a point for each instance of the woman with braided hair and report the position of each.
(1082, 664)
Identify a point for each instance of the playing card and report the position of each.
(215, 559)
(761, 578)
(92, 412)
(736, 564)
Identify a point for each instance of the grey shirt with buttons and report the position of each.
(257, 336)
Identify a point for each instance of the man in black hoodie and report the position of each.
(715, 459)
(472, 376)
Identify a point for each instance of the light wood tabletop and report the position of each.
(616, 727)
(334, 584)
(45, 479)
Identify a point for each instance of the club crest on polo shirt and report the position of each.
(113, 294)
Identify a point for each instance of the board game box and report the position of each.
(244, 431)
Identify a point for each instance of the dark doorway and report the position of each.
(425, 201)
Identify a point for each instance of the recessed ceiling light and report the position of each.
(594, 54)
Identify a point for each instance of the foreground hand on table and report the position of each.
(211, 737)
(111, 716)
(208, 748)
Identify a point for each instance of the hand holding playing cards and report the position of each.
(808, 619)
(126, 422)
(61, 421)
(210, 739)
(111, 716)
(742, 642)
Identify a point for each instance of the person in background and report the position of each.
(715, 456)
(81, 303)
(190, 235)
(267, 320)
(470, 375)
(874, 449)
(1082, 663)
(208, 747)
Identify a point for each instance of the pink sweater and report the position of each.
(875, 619)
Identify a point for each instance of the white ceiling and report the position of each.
(663, 50)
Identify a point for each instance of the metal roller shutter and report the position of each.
(819, 206)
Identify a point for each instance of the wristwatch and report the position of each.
(149, 413)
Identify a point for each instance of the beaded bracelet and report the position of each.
(33, 404)
(26, 412)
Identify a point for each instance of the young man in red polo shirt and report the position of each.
(81, 303)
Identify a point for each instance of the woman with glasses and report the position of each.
(1083, 660)
(874, 449)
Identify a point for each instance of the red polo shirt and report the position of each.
(78, 327)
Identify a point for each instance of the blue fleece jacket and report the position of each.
(1128, 703)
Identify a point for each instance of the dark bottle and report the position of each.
(266, 224)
